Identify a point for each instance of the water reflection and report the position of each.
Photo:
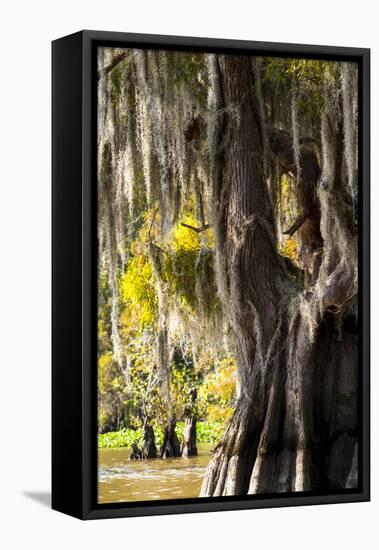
(123, 480)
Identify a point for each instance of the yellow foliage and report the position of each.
(184, 238)
(288, 213)
(218, 390)
(216, 413)
(289, 249)
(138, 291)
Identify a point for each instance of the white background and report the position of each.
(26, 31)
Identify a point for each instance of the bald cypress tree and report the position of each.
(232, 131)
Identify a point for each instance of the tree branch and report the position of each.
(197, 229)
(152, 223)
(118, 59)
(297, 224)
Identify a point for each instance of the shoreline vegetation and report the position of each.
(206, 432)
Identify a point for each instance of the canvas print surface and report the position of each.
(227, 275)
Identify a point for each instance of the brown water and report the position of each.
(123, 480)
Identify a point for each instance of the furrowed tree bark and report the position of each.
(294, 427)
(249, 271)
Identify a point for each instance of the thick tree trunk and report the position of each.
(248, 273)
(310, 433)
(136, 452)
(294, 427)
(148, 449)
(189, 447)
(170, 447)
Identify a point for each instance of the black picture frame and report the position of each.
(74, 298)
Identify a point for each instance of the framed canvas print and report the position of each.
(210, 275)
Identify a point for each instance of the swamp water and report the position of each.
(124, 480)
